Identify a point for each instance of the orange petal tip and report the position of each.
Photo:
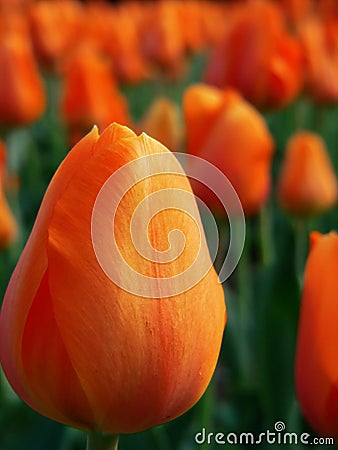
(314, 237)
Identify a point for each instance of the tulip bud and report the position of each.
(21, 89)
(90, 94)
(307, 183)
(258, 56)
(80, 341)
(321, 67)
(8, 227)
(317, 342)
(56, 28)
(116, 31)
(162, 122)
(231, 134)
(162, 37)
(296, 10)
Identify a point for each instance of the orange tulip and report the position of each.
(8, 226)
(116, 33)
(90, 94)
(13, 20)
(321, 65)
(215, 20)
(21, 89)
(297, 9)
(307, 183)
(328, 8)
(190, 17)
(258, 57)
(56, 28)
(100, 354)
(317, 342)
(228, 132)
(162, 122)
(14, 5)
(162, 36)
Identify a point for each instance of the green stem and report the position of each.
(2, 390)
(293, 418)
(207, 406)
(161, 438)
(301, 241)
(100, 441)
(302, 112)
(266, 241)
(319, 110)
(223, 230)
(243, 286)
(17, 142)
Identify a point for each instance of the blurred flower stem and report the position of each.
(18, 142)
(2, 395)
(206, 408)
(99, 441)
(266, 239)
(241, 305)
(301, 245)
(161, 437)
(243, 292)
(55, 126)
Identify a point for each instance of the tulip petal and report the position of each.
(316, 357)
(29, 275)
(106, 314)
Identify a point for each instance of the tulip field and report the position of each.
(168, 224)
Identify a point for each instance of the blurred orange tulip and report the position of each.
(90, 95)
(328, 8)
(215, 20)
(190, 18)
(317, 342)
(307, 183)
(13, 5)
(297, 9)
(22, 96)
(321, 65)
(8, 226)
(228, 132)
(56, 28)
(162, 36)
(121, 41)
(162, 122)
(13, 20)
(258, 57)
(75, 345)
